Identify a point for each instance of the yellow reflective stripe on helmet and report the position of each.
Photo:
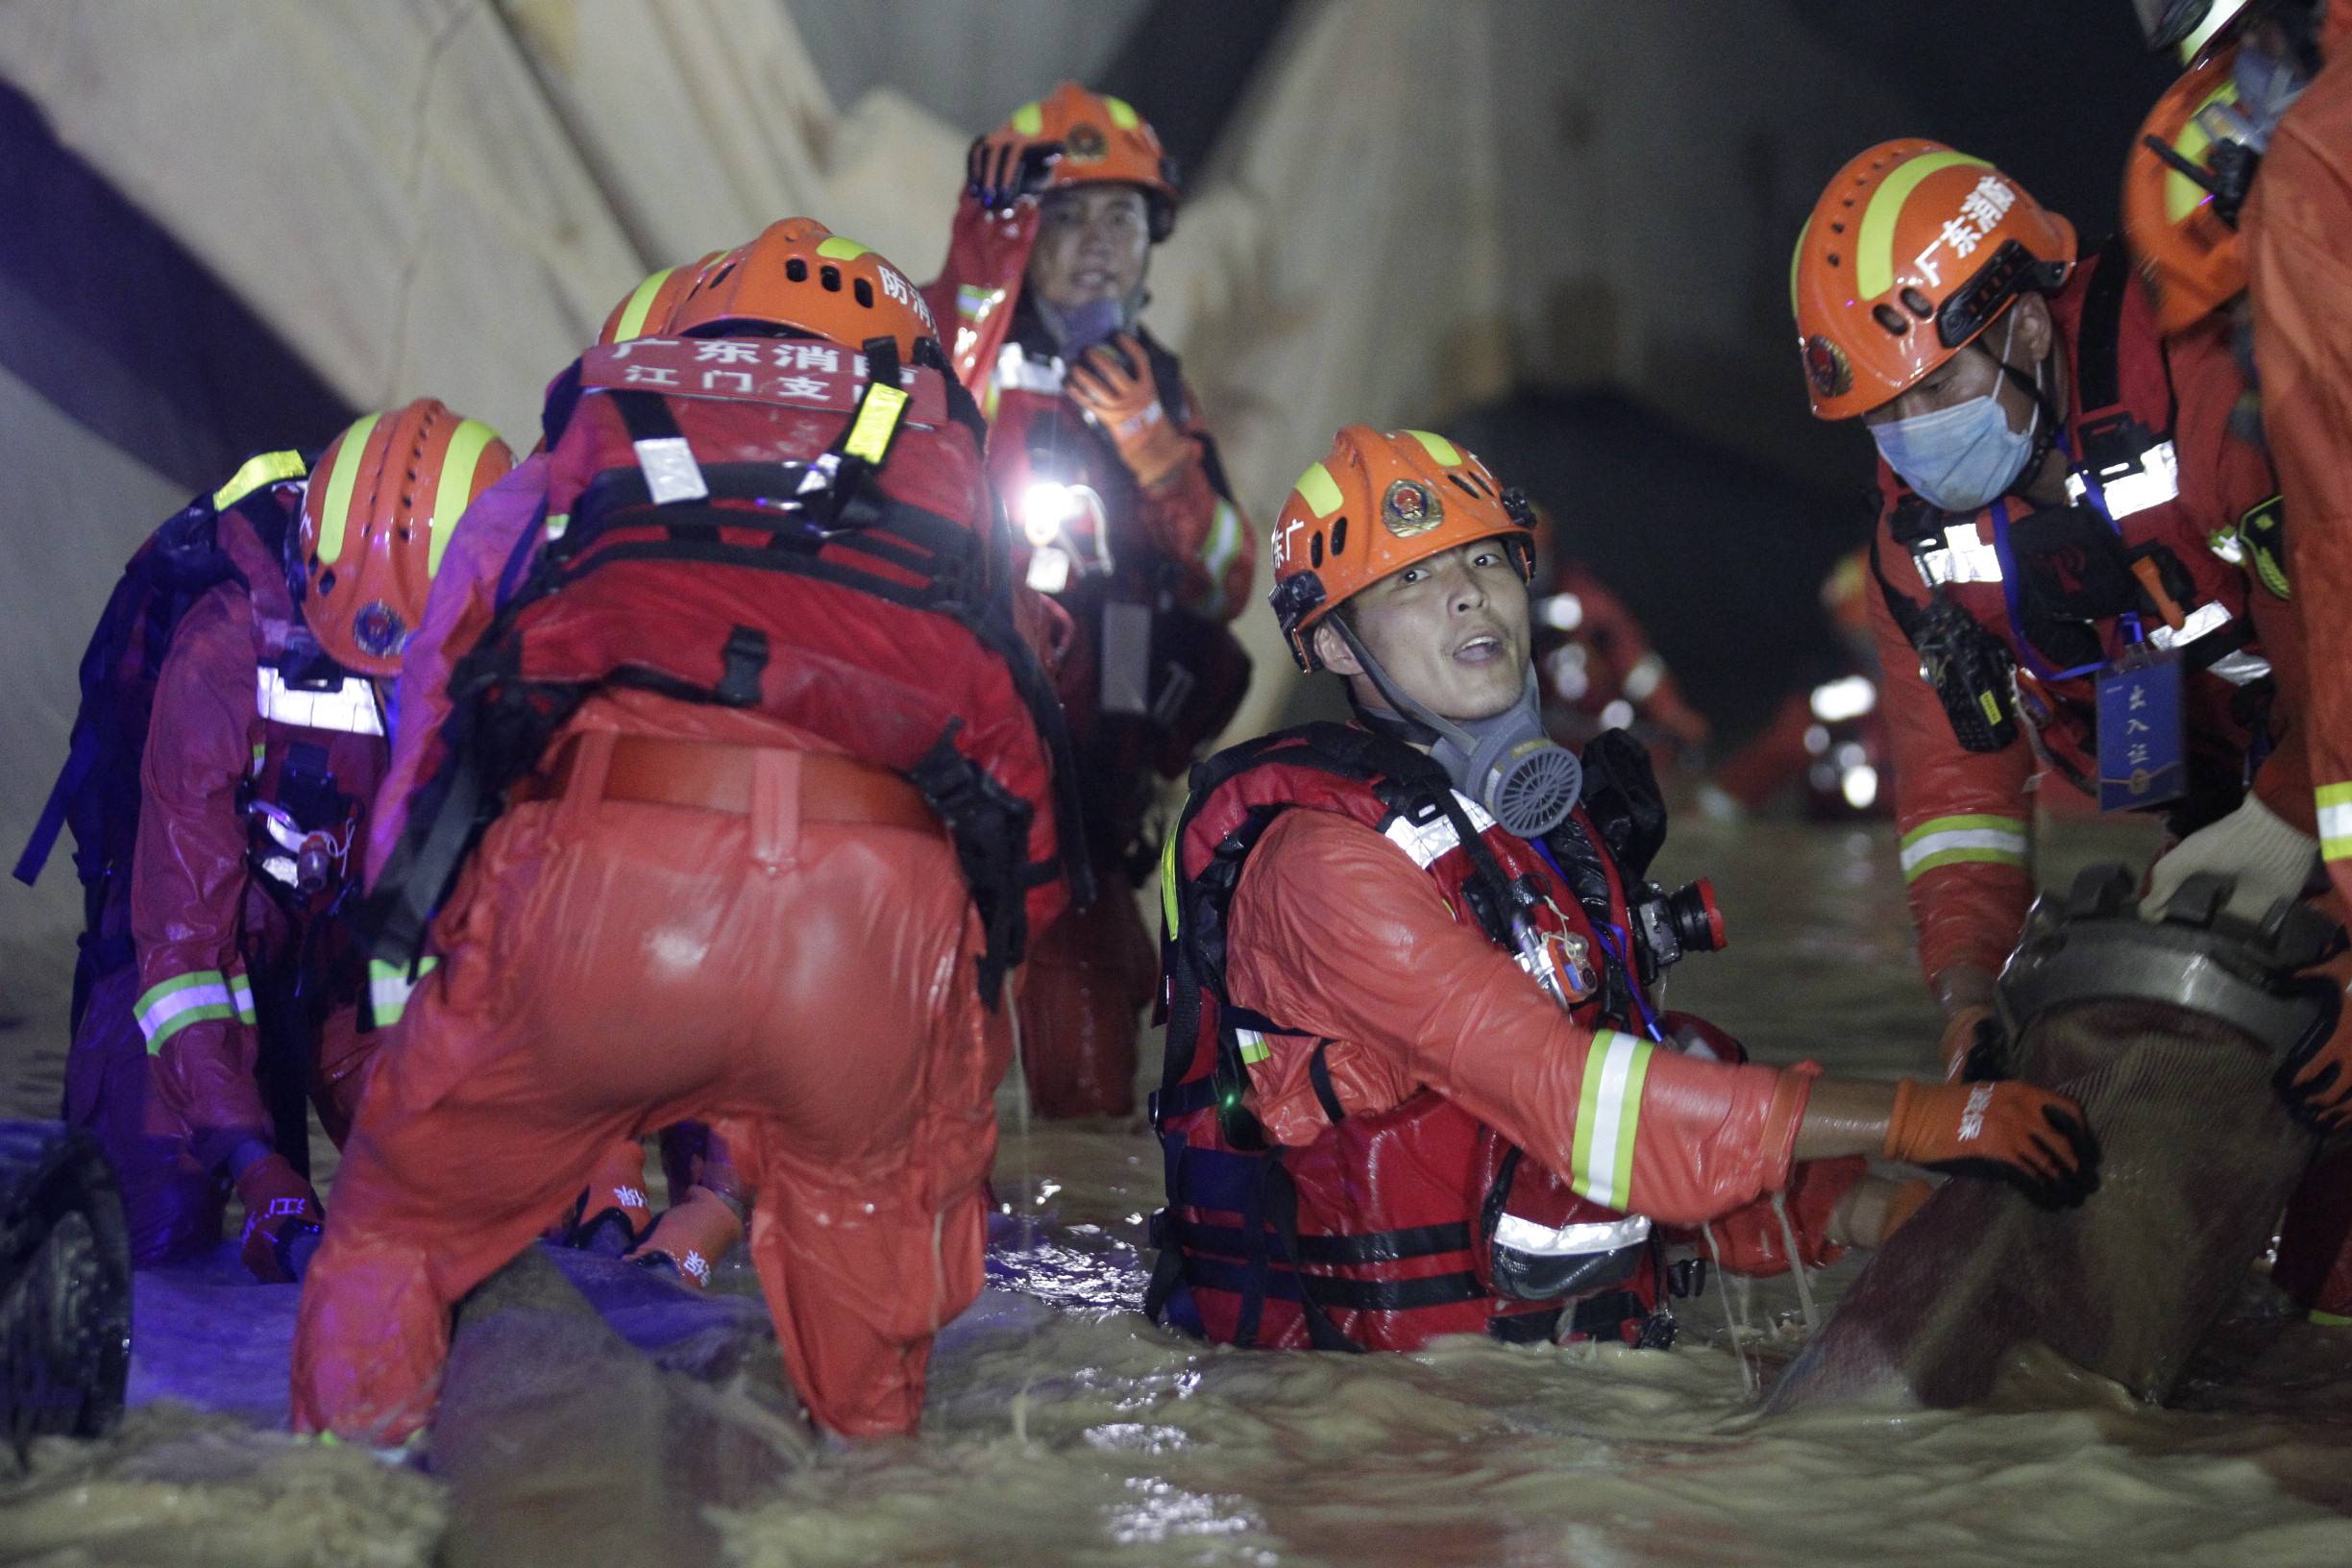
(1029, 119)
(1122, 112)
(2335, 803)
(456, 487)
(2182, 194)
(1167, 881)
(1608, 1118)
(640, 306)
(1318, 490)
(1875, 246)
(261, 468)
(1438, 447)
(341, 480)
(878, 416)
(1795, 256)
(834, 248)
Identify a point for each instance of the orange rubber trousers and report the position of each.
(611, 968)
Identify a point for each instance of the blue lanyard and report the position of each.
(2098, 496)
(1612, 940)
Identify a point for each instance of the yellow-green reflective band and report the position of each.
(556, 522)
(1254, 1049)
(834, 248)
(389, 987)
(1795, 256)
(639, 307)
(1981, 839)
(1122, 112)
(261, 468)
(260, 750)
(2329, 1320)
(2335, 802)
(1167, 881)
(240, 996)
(341, 480)
(1875, 246)
(1029, 119)
(170, 1006)
(1318, 490)
(878, 416)
(1608, 1118)
(1438, 447)
(456, 487)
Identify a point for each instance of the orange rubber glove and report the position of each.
(611, 1213)
(2012, 1131)
(283, 1219)
(1113, 383)
(690, 1235)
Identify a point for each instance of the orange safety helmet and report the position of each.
(800, 275)
(2186, 26)
(1375, 504)
(1102, 140)
(644, 310)
(379, 512)
(1910, 253)
(2185, 239)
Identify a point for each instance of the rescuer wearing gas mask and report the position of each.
(2235, 206)
(1120, 511)
(1417, 1080)
(2057, 583)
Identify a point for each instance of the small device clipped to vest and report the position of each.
(1673, 926)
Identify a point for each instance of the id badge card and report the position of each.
(2141, 753)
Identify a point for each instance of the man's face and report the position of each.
(1093, 243)
(1451, 631)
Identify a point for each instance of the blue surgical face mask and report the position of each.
(1962, 458)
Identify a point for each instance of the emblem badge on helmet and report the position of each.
(1410, 508)
(1825, 364)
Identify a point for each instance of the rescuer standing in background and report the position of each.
(1119, 510)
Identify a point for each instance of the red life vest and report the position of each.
(754, 523)
(1391, 1228)
(2122, 434)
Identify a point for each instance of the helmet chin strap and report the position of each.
(1506, 761)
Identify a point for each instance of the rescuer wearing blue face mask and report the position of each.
(2061, 561)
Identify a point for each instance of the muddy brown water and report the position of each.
(1062, 1430)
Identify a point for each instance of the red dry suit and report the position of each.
(2297, 225)
(260, 759)
(719, 686)
(1964, 815)
(1411, 1087)
(1149, 578)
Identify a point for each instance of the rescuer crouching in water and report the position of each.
(738, 810)
(1416, 1084)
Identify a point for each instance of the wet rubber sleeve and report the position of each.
(1964, 817)
(2298, 237)
(481, 553)
(1336, 932)
(1194, 518)
(188, 878)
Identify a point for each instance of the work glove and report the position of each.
(2028, 1137)
(1000, 170)
(283, 1221)
(1972, 1044)
(1113, 383)
(692, 1236)
(2269, 858)
(2316, 1080)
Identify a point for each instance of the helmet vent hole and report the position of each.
(1339, 533)
(864, 291)
(327, 582)
(830, 278)
(720, 276)
(1887, 316)
(1466, 486)
(1917, 304)
(796, 271)
(1834, 259)
(1314, 548)
(1837, 226)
